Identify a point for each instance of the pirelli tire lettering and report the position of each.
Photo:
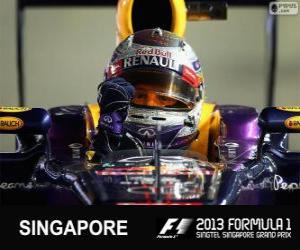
(10, 123)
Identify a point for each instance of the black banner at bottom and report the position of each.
(148, 223)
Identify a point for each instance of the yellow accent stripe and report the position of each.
(92, 118)
(95, 112)
(208, 128)
(124, 19)
(90, 154)
(14, 109)
(179, 16)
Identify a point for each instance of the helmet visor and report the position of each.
(161, 89)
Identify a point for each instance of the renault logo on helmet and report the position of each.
(147, 132)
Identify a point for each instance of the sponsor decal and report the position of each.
(283, 8)
(232, 149)
(10, 123)
(75, 147)
(293, 122)
(153, 51)
(107, 119)
(280, 184)
(21, 185)
(196, 65)
(150, 60)
(290, 109)
(14, 109)
(274, 183)
(147, 132)
(267, 184)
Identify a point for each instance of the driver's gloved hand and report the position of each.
(114, 97)
(113, 122)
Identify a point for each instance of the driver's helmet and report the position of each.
(169, 88)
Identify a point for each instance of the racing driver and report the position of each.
(154, 79)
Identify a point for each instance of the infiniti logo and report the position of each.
(107, 119)
(147, 132)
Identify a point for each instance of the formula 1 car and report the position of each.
(51, 164)
(246, 162)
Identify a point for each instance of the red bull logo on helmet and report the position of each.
(154, 51)
(130, 55)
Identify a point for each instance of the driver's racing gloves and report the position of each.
(114, 97)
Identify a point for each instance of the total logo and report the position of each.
(174, 228)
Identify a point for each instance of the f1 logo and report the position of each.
(181, 228)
